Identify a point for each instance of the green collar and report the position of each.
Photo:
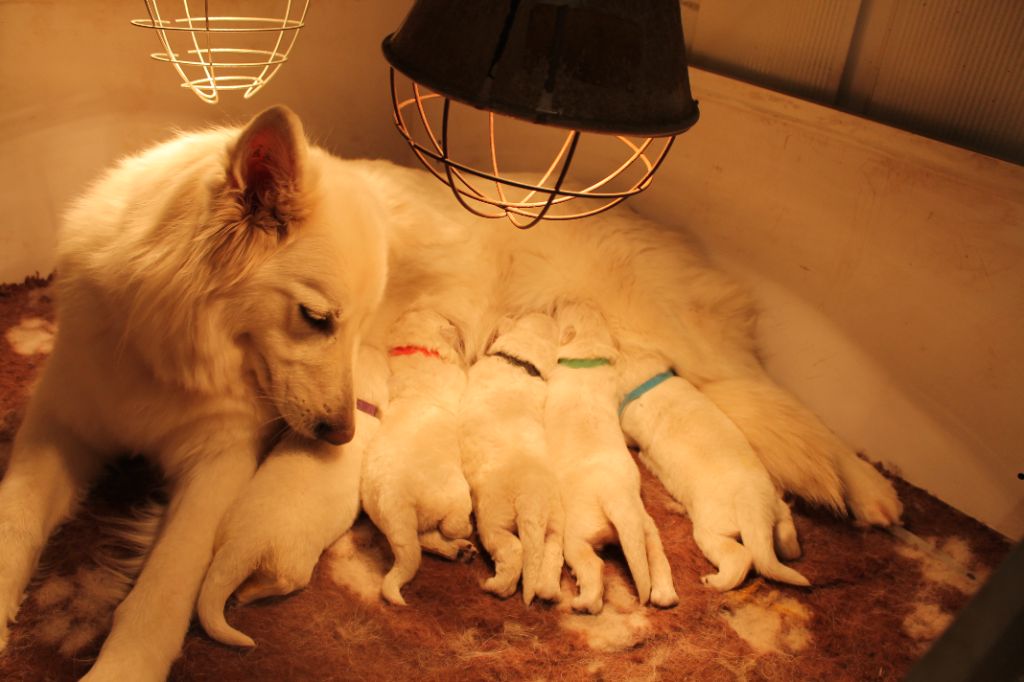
(584, 363)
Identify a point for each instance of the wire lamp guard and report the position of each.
(597, 69)
(217, 53)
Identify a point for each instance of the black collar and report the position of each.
(529, 367)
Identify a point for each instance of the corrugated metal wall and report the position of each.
(949, 69)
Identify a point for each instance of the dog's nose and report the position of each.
(335, 434)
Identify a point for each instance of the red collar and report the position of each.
(411, 350)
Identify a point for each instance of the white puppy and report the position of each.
(600, 481)
(302, 499)
(518, 507)
(706, 463)
(413, 488)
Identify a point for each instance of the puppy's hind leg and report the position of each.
(787, 545)
(45, 476)
(399, 527)
(663, 592)
(627, 515)
(587, 567)
(732, 559)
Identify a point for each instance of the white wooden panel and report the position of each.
(796, 46)
(954, 69)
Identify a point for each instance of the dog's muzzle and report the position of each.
(335, 434)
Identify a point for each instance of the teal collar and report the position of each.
(584, 363)
(656, 380)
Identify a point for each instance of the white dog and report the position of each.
(600, 482)
(412, 487)
(518, 508)
(706, 463)
(212, 291)
(318, 484)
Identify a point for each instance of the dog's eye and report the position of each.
(315, 319)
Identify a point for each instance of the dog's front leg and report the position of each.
(150, 624)
(49, 468)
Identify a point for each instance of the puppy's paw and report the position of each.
(664, 596)
(591, 604)
(466, 551)
(501, 586)
(719, 582)
(548, 590)
(870, 497)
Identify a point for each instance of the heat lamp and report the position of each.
(592, 69)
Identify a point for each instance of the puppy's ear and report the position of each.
(453, 337)
(568, 334)
(263, 195)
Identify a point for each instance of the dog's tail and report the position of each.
(628, 517)
(232, 564)
(756, 529)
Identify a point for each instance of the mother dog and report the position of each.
(212, 291)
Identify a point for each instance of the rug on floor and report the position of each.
(876, 604)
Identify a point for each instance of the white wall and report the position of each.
(79, 90)
(890, 267)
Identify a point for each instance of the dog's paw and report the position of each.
(664, 596)
(717, 581)
(4, 636)
(870, 497)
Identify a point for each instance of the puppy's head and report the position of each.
(430, 330)
(300, 238)
(532, 337)
(583, 332)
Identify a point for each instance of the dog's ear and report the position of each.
(264, 190)
(268, 161)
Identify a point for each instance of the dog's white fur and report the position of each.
(302, 499)
(518, 507)
(180, 335)
(705, 462)
(412, 486)
(599, 480)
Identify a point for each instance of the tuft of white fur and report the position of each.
(706, 463)
(518, 507)
(600, 482)
(412, 484)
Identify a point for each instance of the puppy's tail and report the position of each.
(231, 566)
(756, 528)
(532, 522)
(628, 517)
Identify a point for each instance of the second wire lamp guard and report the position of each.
(214, 53)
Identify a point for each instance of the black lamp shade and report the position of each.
(609, 66)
